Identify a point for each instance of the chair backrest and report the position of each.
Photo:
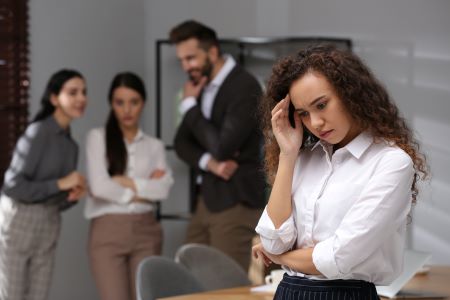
(159, 277)
(213, 268)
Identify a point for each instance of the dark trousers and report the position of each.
(299, 288)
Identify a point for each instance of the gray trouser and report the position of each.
(28, 239)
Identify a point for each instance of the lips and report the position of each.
(325, 134)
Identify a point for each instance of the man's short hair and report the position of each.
(192, 29)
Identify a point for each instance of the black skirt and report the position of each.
(300, 288)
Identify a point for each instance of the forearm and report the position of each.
(154, 188)
(125, 182)
(109, 190)
(186, 146)
(221, 142)
(300, 260)
(30, 191)
(279, 207)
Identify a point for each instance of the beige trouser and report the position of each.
(230, 231)
(117, 243)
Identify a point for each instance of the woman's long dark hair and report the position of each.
(54, 86)
(116, 151)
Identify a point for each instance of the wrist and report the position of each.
(290, 157)
(211, 165)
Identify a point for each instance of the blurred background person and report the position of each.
(127, 171)
(220, 139)
(40, 182)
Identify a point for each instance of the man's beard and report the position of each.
(205, 72)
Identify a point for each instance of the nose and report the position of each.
(128, 108)
(317, 121)
(82, 98)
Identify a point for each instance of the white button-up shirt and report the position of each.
(145, 154)
(351, 206)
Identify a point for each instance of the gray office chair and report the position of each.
(159, 277)
(213, 268)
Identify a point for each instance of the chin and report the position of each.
(77, 115)
(129, 124)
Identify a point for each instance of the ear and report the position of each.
(54, 100)
(213, 53)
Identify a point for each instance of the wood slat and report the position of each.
(14, 81)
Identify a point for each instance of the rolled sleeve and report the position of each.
(324, 259)
(276, 241)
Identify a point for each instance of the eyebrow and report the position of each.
(313, 103)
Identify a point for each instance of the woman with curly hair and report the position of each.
(343, 166)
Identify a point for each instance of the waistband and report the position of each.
(319, 285)
(9, 204)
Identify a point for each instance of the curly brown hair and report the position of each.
(361, 93)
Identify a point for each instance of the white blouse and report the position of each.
(352, 206)
(145, 154)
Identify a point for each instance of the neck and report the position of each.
(129, 132)
(217, 66)
(62, 119)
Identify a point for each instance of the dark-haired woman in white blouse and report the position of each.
(127, 172)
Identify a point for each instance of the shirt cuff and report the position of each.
(127, 196)
(52, 187)
(203, 162)
(186, 104)
(140, 186)
(324, 259)
(153, 189)
(276, 241)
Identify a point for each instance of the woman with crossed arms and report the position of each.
(127, 171)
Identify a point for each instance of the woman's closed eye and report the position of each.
(302, 113)
(321, 105)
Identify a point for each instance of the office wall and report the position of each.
(406, 42)
(99, 38)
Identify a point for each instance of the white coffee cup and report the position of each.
(275, 277)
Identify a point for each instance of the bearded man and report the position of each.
(219, 138)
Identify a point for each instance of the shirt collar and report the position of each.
(139, 136)
(229, 64)
(356, 147)
(360, 144)
(54, 126)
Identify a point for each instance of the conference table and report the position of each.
(436, 280)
